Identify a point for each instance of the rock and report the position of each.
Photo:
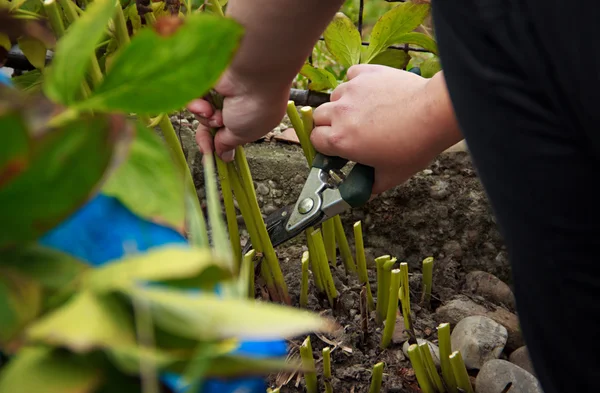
(453, 249)
(262, 189)
(490, 287)
(435, 352)
(439, 190)
(461, 307)
(268, 209)
(299, 179)
(479, 339)
(520, 357)
(496, 374)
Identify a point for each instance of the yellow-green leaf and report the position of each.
(5, 41)
(418, 39)
(30, 81)
(87, 322)
(34, 50)
(402, 19)
(167, 263)
(320, 79)
(45, 370)
(206, 316)
(343, 40)
(430, 67)
(391, 58)
(228, 366)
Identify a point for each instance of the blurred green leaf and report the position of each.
(163, 264)
(391, 58)
(402, 19)
(162, 72)
(14, 148)
(228, 366)
(44, 370)
(20, 303)
(128, 358)
(343, 40)
(206, 316)
(148, 182)
(198, 236)
(34, 50)
(87, 322)
(62, 170)
(221, 244)
(418, 39)
(74, 52)
(430, 67)
(30, 81)
(417, 59)
(320, 79)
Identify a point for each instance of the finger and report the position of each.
(325, 141)
(204, 139)
(322, 115)
(358, 69)
(226, 142)
(200, 107)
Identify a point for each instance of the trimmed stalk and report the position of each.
(215, 7)
(405, 295)
(303, 125)
(460, 372)
(304, 284)
(232, 225)
(314, 261)
(343, 245)
(308, 364)
(54, 17)
(376, 378)
(328, 229)
(121, 30)
(390, 321)
(268, 250)
(361, 261)
(427, 359)
(386, 274)
(324, 266)
(427, 280)
(69, 8)
(246, 277)
(445, 345)
(381, 295)
(414, 354)
(327, 369)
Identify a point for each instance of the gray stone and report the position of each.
(490, 287)
(479, 339)
(435, 352)
(520, 357)
(496, 374)
(439, 190)
(262, 189)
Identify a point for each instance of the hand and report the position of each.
(249, 112)
(393, 120)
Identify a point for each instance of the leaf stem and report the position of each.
(246, 277)
(445, 345)
(327, 370)
(414, 354)
(427, 280)
(381, 288)
(321, 256)
(308, 364)
(405, 299)
(304, 283)
(362, 263)
(215, 7)
(343, 245)
(460, 372)
(314, 260)
(232, 225)
(392, 309)
(328, 228)
(121, 31)
(54, 18)
(427, 359)
(376, 378)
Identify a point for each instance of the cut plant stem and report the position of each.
(460, 372)
(445, 346)
(121, 31)
(246, 276)
(343, 245)
(232, 224)
(69, 10)
(381, 288)
(376, 378)
(427, 359)
(308, 364)
(221, 245)
(405, 295)
(427, 280)
(304, 284)
(392, 309)
(303, 127)
(328, 228)
(314, 261)
(268, 250)
(324, 266)
(54, 17)
(361, 262)
(414, 354)
(327, 370)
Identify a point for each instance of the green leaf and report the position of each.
(221, 245)
(128, 358)
(20, 303)
(30, 82)
(402, 19)
(430, 67)
(44, 370)
(34, 50)
(162, 264)
(417, 59)
(74, 52)
(87, 322)
(391, 58)
(343, 40)
(14, 148)
(320, 79)
(161, 73)
(418, 39)
(5, 41)
(206, 316)
(148, 182)
(62, 170)
(228, 366)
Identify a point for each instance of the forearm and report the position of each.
(279, 36)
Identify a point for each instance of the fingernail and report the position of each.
(228, 155)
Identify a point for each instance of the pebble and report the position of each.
(520, 357)
(479, 339)
(298, 179)
(262, 189)
(435, 352)
(268, 209)
(490, 287)
(453, 248)
(195, 124)
(277, 193)
(272, 184)
(439, 190)
(496, 374)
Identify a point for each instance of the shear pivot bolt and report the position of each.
(306, 205)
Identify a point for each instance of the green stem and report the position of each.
(327, 369)
(308, 364)
(266, 274)
(460, 372)
(54, 17)
(328, 228)
(221, 245)
(414, 354)
(362, 263)
(324, 266)
(306, 113)
(303, 137)
(390, 321)
(314, 260)
(381, 288)
(268, 250)
(427, 359)
(150, 18)
(215, 7)
(246, 276)
(376, 378)
(304, 284)
(405, 299)
(445, 345)
(232, 225)
(427, 280)
(69, 8)
(343, 245)
(121, 31)
(387, 276)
